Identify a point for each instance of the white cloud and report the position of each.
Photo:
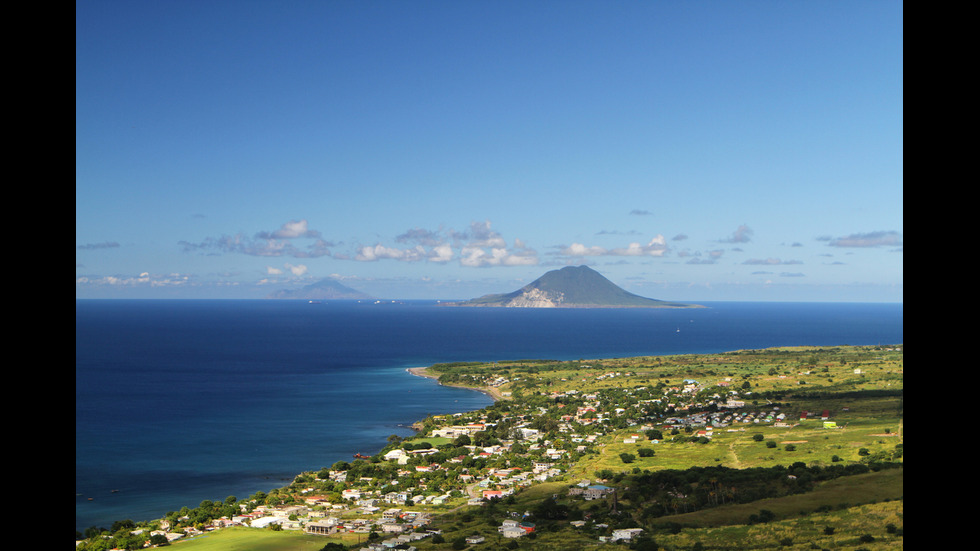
(477, 246)
(290, 230)
(441, 253)
(265, 243)
(379, 252)
(578, 249)
(656, 247)
(143, 279)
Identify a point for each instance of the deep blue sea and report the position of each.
(181, 401)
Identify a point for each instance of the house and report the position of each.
(625, 534)
(392, 527)
(513, 529)
(596, 491)
(322, 527)
(265, 521)
(473, 540)
(395, 455)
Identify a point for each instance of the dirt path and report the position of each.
(736, 463)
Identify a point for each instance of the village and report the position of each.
(467, 459)
(568, 434)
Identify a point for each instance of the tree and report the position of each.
(627, 457)
(550, 509)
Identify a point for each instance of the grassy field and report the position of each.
(859, 527)
(258, 539)
(871, 424)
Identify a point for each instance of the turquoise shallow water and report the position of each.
(181, 401)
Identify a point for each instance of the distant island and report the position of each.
(571, 287)
(325, 289)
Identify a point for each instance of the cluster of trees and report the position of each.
(660, 493)
(120, 535)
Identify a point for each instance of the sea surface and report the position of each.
(177, 402)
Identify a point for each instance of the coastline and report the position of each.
(489, 391)
(428, 372)
(494, 394)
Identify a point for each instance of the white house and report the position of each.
(625, 534)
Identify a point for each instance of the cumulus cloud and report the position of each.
(478, 257)
(480, 235)
(478, 245)
(441, 253)
(144, 279)
(290, 230)
(276, 243)
(743, 234)
(656, 247)
(380, 252)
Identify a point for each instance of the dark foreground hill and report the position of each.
(325, 289)
(571, 287)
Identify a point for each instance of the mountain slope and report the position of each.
(325, 289)
(571, 287)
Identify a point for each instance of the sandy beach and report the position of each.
(489, 391)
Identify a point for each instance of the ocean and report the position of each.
(182, 401)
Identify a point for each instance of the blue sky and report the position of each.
(698, 151)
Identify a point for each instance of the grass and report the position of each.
(842, 529)
(886, 485)
(256, 539)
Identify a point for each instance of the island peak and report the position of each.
(571, 287)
